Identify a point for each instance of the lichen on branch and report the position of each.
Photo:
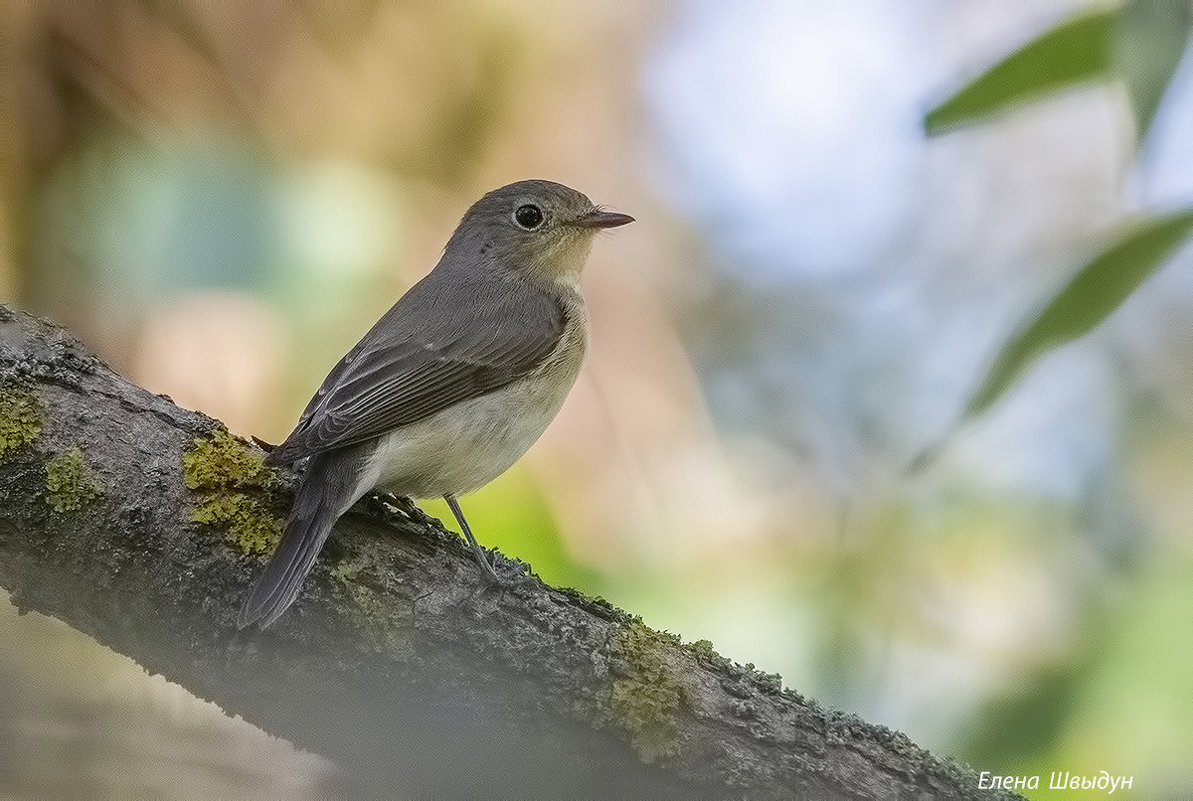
(236, 491)
(20, 416)
(70, 483)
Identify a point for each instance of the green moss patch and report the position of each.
(235, 488)
(20, 417)
(644, 702)
(703, 649)
(70, 484)
(221, 460)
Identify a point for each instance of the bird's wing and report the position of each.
(442, 343)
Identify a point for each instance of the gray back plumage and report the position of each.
(477, 322)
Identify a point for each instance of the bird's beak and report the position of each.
(601, 219)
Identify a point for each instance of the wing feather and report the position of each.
(449, 339)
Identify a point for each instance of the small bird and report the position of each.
(453, 384)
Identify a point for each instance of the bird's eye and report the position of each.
(529, 216)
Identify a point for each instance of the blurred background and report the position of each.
(221, 198)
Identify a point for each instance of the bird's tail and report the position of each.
(329, 487)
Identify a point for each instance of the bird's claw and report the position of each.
(406, 506)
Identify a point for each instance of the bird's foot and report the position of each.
(505, 574)
(406, 506)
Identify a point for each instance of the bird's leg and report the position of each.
(477, 552)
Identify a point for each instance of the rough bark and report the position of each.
(397, 661)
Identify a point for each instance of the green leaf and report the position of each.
(1087, 299)
(1150, 38)
(1078, 50)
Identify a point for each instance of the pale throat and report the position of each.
(563, 262)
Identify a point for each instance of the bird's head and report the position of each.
(539, 230)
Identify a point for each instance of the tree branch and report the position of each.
(137, 522)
